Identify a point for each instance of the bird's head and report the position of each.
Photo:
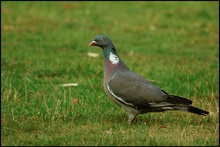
(101, 41)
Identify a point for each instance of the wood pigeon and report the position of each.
(132, 92)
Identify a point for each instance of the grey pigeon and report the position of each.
(133, 92)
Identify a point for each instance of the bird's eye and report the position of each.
(101, 39)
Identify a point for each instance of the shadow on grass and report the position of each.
(160, 119)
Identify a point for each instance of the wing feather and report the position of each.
(132, 89)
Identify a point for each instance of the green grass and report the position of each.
(44, 44)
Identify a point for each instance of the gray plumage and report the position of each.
(133, 92)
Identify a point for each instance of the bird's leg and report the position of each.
(131, 117)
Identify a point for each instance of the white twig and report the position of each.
(90, 54)
(69, 84)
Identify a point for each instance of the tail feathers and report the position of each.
(197, 110)
(157, 107)
(178, 100)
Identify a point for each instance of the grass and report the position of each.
(45, 44)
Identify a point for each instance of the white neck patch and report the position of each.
(113, 58)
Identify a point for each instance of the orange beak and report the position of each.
(92, 43)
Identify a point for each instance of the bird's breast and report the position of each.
(109, 70)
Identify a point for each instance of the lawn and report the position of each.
(175, 45)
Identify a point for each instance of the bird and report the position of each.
(134, 93)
